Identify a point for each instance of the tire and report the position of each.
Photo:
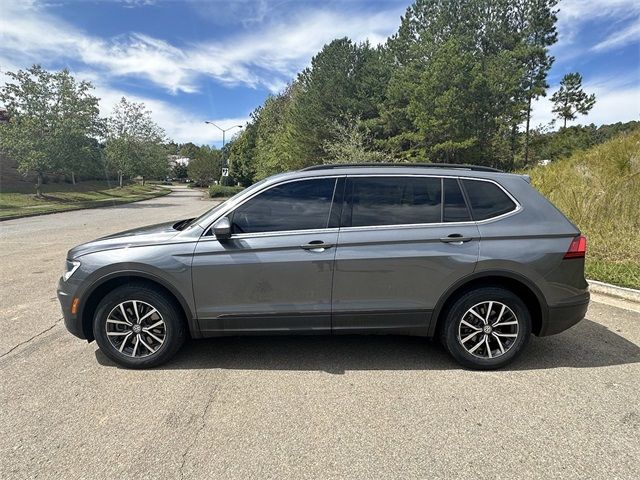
(465, 335)
(144, 344)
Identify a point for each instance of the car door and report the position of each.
(404, 239)
(275, 271)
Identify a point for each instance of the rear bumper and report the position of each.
(71, 321)
(562, 317)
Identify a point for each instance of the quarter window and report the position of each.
(392, 201)
(487, 199)
(301, 205)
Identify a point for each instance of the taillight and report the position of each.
(578, 247)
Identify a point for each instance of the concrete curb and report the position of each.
(602, 288)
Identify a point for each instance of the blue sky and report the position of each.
(197, 60)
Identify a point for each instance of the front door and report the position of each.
(404, 240)
(274, 274)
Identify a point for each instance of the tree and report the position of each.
(537, 22)
(242, 151)
(53, 122)
(570, 100)
(135, 143)
(206, 166)
(180, 171)
(350, 145)
(344, 80)
(432, 111)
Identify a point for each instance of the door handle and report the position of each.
(318, 245)
(456, 238)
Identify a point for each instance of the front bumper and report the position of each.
(71, 321)
(562, 317)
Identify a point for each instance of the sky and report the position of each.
(217, 60)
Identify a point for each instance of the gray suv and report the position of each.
(470, 255)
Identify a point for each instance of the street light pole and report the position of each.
(224, 131)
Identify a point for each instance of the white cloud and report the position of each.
(623, 37)
(574, 14)
(267, 57)
(617, 100)
(180, 125)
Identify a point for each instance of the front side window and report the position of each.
(375, 201)
(486, 199)
(300, 205)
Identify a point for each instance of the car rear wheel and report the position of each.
(137, 327)
(486, 328)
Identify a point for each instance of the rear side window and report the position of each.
(375, 201)
(486, 199)
(302, 205)
(455, 208)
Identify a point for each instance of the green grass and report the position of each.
(219, 191)
(60, 197)
(599, 190)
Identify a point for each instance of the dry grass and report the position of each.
(599, 190)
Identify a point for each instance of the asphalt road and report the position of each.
(295, 407)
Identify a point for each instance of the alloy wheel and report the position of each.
(488, 329)
(135, 328)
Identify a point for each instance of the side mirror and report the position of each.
(222, 228)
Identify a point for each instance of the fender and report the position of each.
(122, 271)
(544, 308)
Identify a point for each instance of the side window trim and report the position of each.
(472, 221)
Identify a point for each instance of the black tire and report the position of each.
(174, 329)
(460, 310)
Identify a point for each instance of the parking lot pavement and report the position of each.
(297, 407)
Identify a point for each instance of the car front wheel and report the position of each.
(486, 328)
(137, 327)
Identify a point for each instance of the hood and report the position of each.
(150, 235)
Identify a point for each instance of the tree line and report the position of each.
(454, 84)
(54, 127)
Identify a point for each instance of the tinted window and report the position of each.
(487, 199)
(455, 208)
(393, 201)
(302, 205)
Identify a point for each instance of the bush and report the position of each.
(217, 191)
(599, 190)
(227, 181)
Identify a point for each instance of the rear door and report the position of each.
(274, 274)
(404, 239)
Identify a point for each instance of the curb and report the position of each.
(602, 288)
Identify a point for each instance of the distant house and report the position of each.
(177, 160)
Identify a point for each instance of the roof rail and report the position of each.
(476, 168)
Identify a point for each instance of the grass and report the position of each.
(599, 190)
(219, 191)
(60, 197)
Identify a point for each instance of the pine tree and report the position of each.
(570, 100)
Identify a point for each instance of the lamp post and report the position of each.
(224, 131)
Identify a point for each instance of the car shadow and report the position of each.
(587, 345)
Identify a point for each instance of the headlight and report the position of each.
(70, 267)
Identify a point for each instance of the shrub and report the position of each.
(599, 190)
(217, 191)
